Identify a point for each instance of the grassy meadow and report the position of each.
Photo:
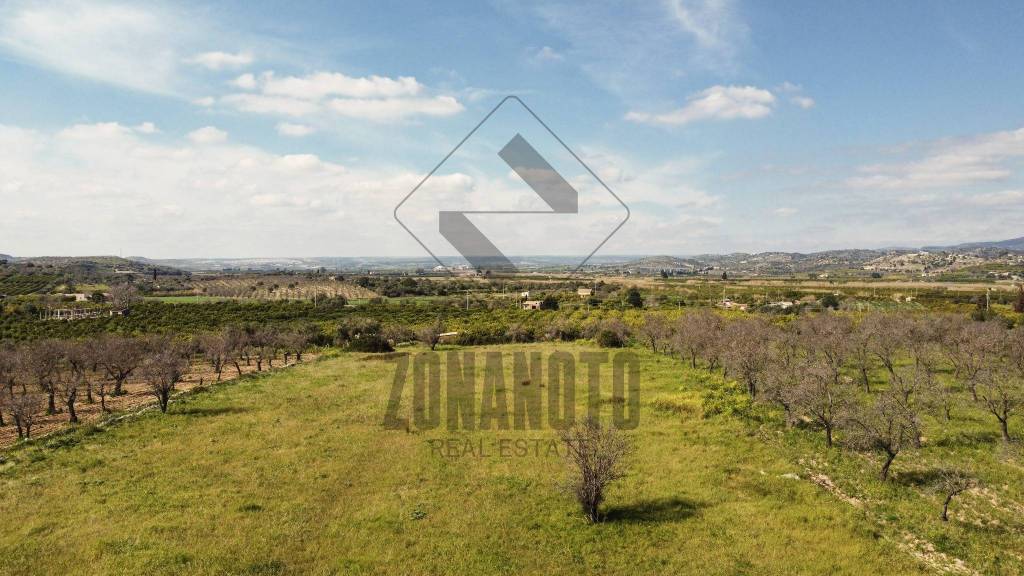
(292, 472)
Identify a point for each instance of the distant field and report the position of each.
(292, 473)
(279, 287)
(186, 299)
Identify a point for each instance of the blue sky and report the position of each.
(273, 129)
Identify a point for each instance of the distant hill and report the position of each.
(1015, 244)
(7, 257)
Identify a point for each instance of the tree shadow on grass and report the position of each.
(920, 478)
(653, 510)
(968, 438)
(215, 411)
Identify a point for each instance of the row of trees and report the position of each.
(50, 376)
(872, 380)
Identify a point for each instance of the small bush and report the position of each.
(609, 339)
(374, 343)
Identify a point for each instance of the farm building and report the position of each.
(531, 305)
(584, 292)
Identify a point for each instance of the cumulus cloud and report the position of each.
(374, 98)
(948, 164)
(221, 60)
(293, 130)
(715, 103)
(208, 135)
(178, 197)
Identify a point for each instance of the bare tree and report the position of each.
(162, 373)
(119, 356)
(862, 346)
(817, 394)
(39, 363)
(431, 334)
(951, 484)
(217, 349)
(295, 342)
(881, 425)
(889, 333)
(826, 335)
(594, 455)
(123, 296)
(1001, 392)
(77, 355)
(971, 347)
(748, 346)
(697, 336)
(8, 369)
(26, 407)
(655, 331)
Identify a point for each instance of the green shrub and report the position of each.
(609, 339)
(373, 343)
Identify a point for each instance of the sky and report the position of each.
(249, 129)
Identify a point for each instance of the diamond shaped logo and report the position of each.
(509, 194)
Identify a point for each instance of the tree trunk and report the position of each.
(945, 508)
(238, 367)
(51, 404)
(828, 435)
(1005, 426)
(72, 416)
(889, 457)
(164, 397)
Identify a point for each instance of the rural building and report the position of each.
(524, 295)
(730, 305)
(584, 292)
(531, 305)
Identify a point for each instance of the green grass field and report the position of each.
(293, 473)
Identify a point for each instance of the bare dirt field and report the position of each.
(136, 395)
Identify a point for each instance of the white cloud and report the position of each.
(205, 101)
(948, 164)
(712, 23)
(715, 103)
(125, 44)
(182, 198)
(208, 135)
(324, 84)
(221, 60)
(1001, 198)
(147, 128)
(395, 108)
(548, 54)
(278, 105)
(293, 130)
(245, 81)
(785, 211)
(374, 98)
(804, 102)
